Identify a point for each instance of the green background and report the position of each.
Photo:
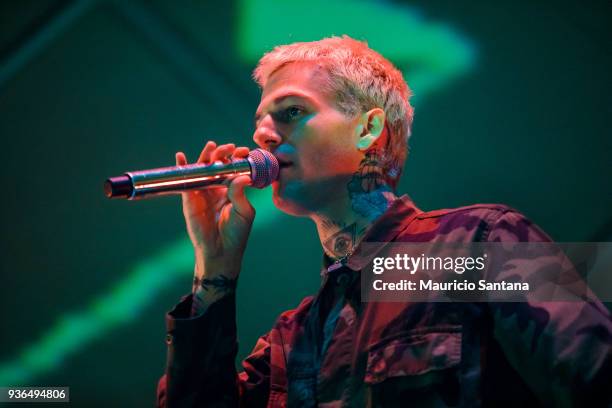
(512, 106)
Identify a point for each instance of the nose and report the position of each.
(266, 136)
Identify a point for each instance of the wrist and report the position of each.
(209, 268)
(207, 291)
(202, 299)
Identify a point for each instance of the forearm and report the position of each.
(201, 338)
(202, 341)
(201, 351)
(209, 288)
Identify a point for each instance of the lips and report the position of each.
(283, 161)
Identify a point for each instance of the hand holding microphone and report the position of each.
(218, 219)
(219, 222)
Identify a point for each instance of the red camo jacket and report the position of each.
(335, 351)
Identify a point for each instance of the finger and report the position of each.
(240, 152)
(180, 158)
(238, 198)
(206, 152)
(223, 152)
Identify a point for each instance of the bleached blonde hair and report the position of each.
(361, 79)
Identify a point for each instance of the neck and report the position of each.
(366, 197)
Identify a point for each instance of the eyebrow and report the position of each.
(279, 99)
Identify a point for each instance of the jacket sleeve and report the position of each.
(200, 366)
(562, 349)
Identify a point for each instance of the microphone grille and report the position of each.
(264, 168)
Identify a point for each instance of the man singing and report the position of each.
(337, 116)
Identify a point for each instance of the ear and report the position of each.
(371, 129)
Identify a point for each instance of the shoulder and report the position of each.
(475, 223)
(484, 211)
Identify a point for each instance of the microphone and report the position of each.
(261, 165)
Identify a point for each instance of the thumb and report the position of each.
(238, 198)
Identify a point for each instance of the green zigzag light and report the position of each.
(430, 54)
(122, 304)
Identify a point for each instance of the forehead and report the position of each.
(307, 78)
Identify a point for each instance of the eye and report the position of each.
(294, 112)
(289, 114)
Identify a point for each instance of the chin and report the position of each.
(282, 200)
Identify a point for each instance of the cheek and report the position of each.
(326, 159)
(332, 149)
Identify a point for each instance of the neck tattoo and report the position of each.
(368, 189)
(370, 196)
(341, 242)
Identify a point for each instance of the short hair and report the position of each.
(361, 79)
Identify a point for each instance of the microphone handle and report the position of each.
(173, 180)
